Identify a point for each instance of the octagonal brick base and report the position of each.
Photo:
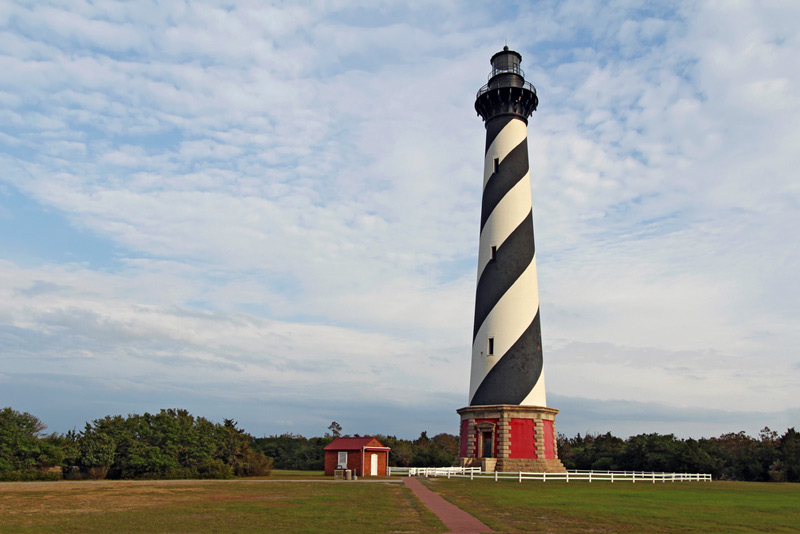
(521, 438)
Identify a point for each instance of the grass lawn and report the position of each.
(290, 474)
(286, 503)
(212, 506)
(558, 507)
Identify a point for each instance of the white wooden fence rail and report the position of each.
(574, 475)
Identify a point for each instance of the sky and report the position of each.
(269, 211)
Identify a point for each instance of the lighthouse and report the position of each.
(507, 425)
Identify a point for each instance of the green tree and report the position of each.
(789, 450)
(742, 457)
(651, 452)
(579, 452)
(23, 452)
(97, 452)
(693, 457)
(172, 444)
(449, 443)
(335, 429)
(401, 453)
(293, 451)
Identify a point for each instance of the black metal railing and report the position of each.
(505, 83)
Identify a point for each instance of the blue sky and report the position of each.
(270, 211)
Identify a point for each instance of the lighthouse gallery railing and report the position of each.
(497, 84)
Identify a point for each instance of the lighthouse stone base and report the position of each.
(510, 438)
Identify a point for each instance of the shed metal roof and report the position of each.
(353, 444)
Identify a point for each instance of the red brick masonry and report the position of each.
(456, 519)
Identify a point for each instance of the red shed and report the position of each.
(365, 456)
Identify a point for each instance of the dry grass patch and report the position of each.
(212, 506)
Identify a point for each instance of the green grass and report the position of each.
(212, 506)
(286, 503)
(290, 474)
(557, 507)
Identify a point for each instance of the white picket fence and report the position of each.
(571, 475)
(433, 471)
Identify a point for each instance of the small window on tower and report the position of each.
(491, 346)
(494, 252)
(496, 164)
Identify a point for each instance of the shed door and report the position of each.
(342, 460)
(373, 464)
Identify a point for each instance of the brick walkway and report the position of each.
(456, 519)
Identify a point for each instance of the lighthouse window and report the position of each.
(491, 346)
(496, 164)
(494, 252)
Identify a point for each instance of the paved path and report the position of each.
(456, 519)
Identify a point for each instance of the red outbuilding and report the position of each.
(364, 456)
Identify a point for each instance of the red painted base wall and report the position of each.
(523, 439)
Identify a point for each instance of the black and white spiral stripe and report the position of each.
(507, 296)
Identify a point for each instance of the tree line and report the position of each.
(175, 444)
(732, 456)
(170, 444)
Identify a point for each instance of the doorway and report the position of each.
(373, 465)
(487, 445)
